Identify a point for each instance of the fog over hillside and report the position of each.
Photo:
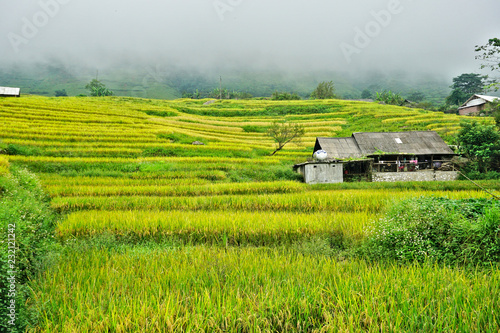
(224, 36)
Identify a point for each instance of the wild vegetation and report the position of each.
(156, 234)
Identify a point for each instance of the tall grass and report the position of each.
(254, 290)
(314, 201)
(233, 228)
(177, 190)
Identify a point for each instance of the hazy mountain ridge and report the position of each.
(170, 82)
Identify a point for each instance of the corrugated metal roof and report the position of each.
(7, 91)
(339, 147)
(416, 142)
(488, 98)
(478, 100)
(366, 144)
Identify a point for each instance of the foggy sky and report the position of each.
(416, 35)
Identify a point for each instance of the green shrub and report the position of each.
(161, 113)
(12, 149)
(26, 236)
(473, 173)
(389, 97)
(438, 229)
(284, 96)
(255, 129)
(180, 138)
(159, 151)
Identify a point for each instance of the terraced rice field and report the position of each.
(161, 235)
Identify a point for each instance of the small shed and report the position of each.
(476, 104)
(10, 92)
(321, 172)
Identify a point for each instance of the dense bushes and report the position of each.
(269, 111)
(284, 96)
(480, 144)
(438, 229)
(12, 149)
(26, 234)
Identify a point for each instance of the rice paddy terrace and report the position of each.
(163, 235)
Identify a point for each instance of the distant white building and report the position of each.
(476, 104)
(10, 92)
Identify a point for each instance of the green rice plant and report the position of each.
(48, 180)
(177, 190)
(4, 166)
(457, 185)
(253, 290)
(237, 228)
(373, 201)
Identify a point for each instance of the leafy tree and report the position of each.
(457, 98)
(464, 86)
(366, 94)
(388, 97)
(284, 96)
(284, 133)
(491, 57)
(324, 90)
(469, 83)
(61, 93)
(98, 89)
(479, 143)
(491, 54)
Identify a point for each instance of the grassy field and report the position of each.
(156, 234)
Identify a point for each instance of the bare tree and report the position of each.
(283, 133)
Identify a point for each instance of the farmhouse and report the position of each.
(10, 92)
(476, 104)
(381, 157)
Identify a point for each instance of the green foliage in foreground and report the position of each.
(445, 230)
(26, 224)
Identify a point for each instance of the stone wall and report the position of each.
(418, 176)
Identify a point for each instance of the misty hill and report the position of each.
(170, 82)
